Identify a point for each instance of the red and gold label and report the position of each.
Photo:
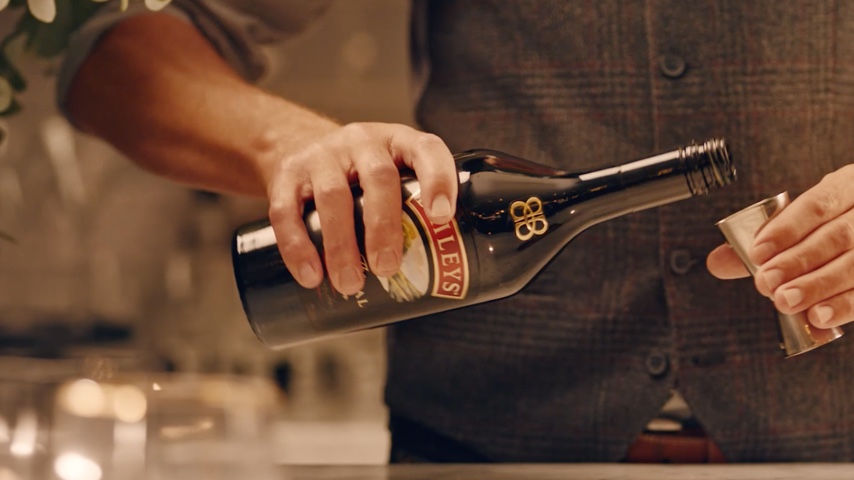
(434, 265)
(450, 264)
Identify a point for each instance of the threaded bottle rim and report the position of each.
(709, 165)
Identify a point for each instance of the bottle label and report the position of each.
(450, 265)
(434, 264)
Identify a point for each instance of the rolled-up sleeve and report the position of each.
(238, 29)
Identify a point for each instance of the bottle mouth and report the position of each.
(709, 165)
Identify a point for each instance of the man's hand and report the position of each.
(805, 254)
(370, 154)
(183, 113)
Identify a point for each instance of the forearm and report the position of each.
(156, 90)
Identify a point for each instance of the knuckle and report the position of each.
(824, 203)
(315, 153)
(335, 248)
(339, 243)
(791, 263)
(801, 264)
(292, 246)
(279, 212)
(387, 225)
(356, 130)
(845, 234)
(267, 141)
(339, 255)
(379, 169)
(819, 287)
(331, 191)
(429, 141)
(286, 167)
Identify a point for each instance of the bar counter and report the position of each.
(777, 471)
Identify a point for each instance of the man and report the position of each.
(574, 367)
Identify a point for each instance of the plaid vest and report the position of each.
(573, 367)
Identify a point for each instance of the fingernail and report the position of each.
(307, 274)
(793, 297)
(441, 207)
(773, 278)
(824, 314)
(386, 261)
(763, 252)
(350, 280)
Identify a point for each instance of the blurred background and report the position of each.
(109, 262)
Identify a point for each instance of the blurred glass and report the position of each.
(211, 427)
(28, 389)
(96, 418)
(164, 426)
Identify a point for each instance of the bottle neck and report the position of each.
(651, 182)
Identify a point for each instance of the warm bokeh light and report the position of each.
(73, 466)
(129, 403)
(24, 434)
(84, 398)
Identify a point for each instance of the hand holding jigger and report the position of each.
(741, 229)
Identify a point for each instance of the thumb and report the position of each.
(724, 263)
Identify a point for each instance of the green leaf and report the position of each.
(42, 39)
(50, 39)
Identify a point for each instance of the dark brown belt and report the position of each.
(674, 448)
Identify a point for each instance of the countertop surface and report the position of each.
(794, 471)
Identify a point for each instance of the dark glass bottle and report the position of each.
(513, 216)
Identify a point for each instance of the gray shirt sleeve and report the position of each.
(236, 28)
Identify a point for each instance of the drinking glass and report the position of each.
(162, 426)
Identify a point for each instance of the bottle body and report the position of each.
(513, 216)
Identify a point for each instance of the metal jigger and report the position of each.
(797, 334)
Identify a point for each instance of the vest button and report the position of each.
(657, 363)
(681, 261)
(672, 66)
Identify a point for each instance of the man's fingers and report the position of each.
(381, 207)
(333, 199)
(370, 154)
(834, 311)
(826, 243)
(832, 197)
(817, 287)
(297, 250)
